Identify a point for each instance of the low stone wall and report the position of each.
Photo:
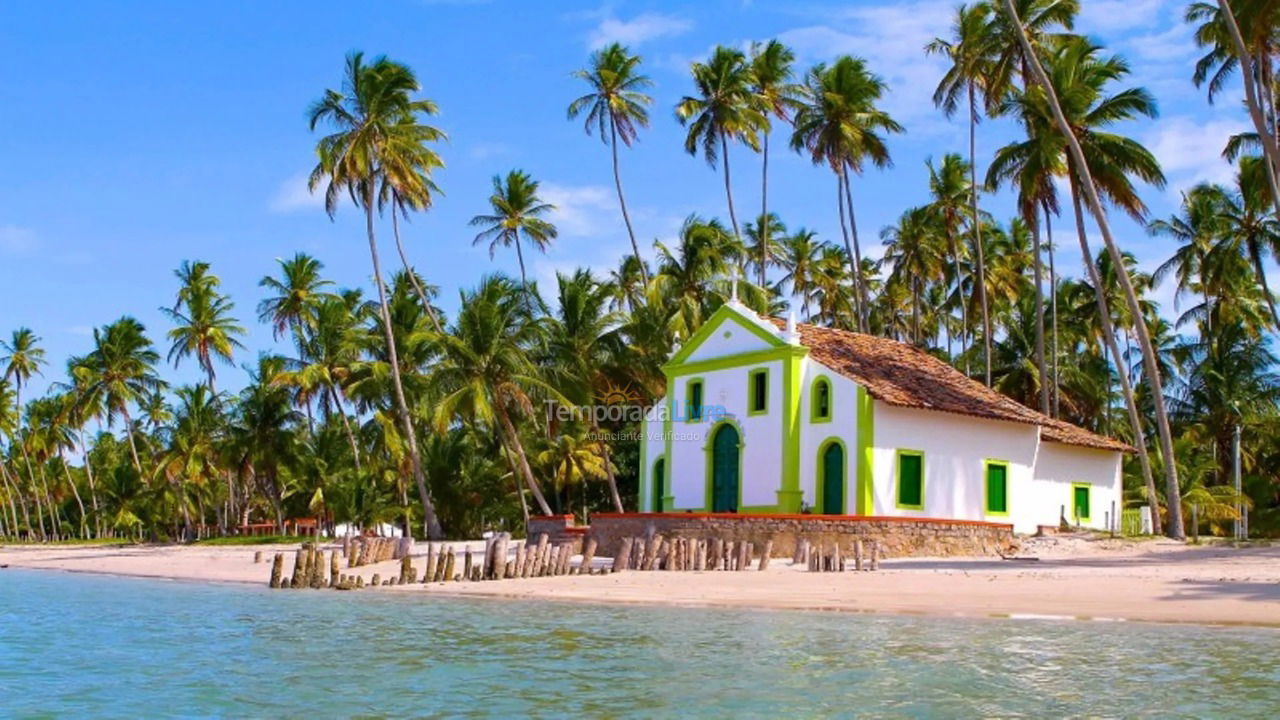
(898, 537)
(560, 530)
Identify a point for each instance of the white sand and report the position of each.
(1152, 581)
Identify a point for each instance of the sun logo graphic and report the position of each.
(612, 394)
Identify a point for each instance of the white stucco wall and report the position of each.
(729, 337)
(843, 425)
(1058, 466)
(651, 449)
(955, 448)
(761, 436)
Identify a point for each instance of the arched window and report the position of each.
(820, 400)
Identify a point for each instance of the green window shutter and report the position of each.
(997, 488)
(659, 474)
(824, 399)
(758, 391)
(910, 480)
(694, 401)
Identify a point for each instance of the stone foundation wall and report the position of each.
(898, 537)
(560, 529)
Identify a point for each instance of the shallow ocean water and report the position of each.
(96, 646)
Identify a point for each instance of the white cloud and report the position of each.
(583, 210)
(891, 38)
(1190, 151)
(293, 195)
(486, 150)
(638, 30)
(16, 240)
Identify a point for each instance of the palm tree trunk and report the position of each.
(622, 202)
(408, 270)
(1109, 335)
(764, 212)
(524, 279)
(1252, 100)
(1173, 494)
(863, 309)
(1053, 304)
(430, 523)
(608, 468)
(133, 446)
(517, 448)
(93, 490)
(66, 471)
(964, 312)
(35, 489)
(11, 490)
(346, 426)
(1039, 296)
(1255, 256)
(977, 233)
(844, 232)
(55, 517)
(728, 191)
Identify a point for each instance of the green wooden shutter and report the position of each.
(1081, 501)
(997, 488)
(910, 480)
(724, 470)
(833, 480)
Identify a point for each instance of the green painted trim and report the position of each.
(642, 483)
(866, 451)
(818, 479)
(814, 417)
(1089, 494)
(667, 434)
(986, 488)
(758, 510)
(722, 315)
(653, 482)
(790, 496)
(751, 391)
(709, 450)
(897, 488)
(688, 399)
(755, 357)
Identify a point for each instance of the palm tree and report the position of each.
(191, 459)
(119, 372)
(799, 256)
(517, 213)
(1198, 230)
(913, 249)
(950, 190)
(1085, 177)
(762, 246)
(205, 327)
(23, 358)
(486, 375)
(1246, 218)
(373, 116)
(724, 109)
(971, 52)
(583, 346)
(296, 294)
(839, 125)
(617, 101)
(771, 81)
(683, 285)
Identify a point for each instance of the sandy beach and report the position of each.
(1154, 580)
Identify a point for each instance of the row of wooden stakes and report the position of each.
(830, 557)
(691, 554)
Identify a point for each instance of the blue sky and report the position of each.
(137, 135)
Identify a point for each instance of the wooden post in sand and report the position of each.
(875, 554)
(449, 561)
(764, 555)
(277, 569)
(622, 558)
(299, 564)
(257, 557)
(430, 574)
(333, 568)
(588, 554)
(466, 564)
(857, 555)
(500, 555)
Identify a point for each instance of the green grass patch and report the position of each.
(256, 540)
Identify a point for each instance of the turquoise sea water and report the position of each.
(92, 646)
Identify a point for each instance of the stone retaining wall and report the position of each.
(560, 529)
(898, 537)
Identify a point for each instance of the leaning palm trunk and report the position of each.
(11, 490)
(964, 313)
(55, 517)
(1109, 335)
(764, 213)
(1173, 496)
(1252, 100)
(1039, 296)
(430, 523)
(517, 448)
(1053, 306)
(66, 471)
(977, 233)
(608, 468)
(857, 253)
(622, 202)
(844, 232)
(408, 269)
(93, 490)
(728, 191)
(346, 426)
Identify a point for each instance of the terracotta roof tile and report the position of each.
(899, 374)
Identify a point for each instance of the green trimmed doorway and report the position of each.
(833, 479)
(725, 470)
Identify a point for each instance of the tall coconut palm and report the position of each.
(1082, 170)
(839, 125)
(1258, 231)
(683, 284)
(583, 346)
(518, 213)
(372, 115)
(912, 247)
(205, 327)
(617, 103)
(799, 255)
(772, 83)
(23, 357)
(295, 296)
(724, 109)
(486, 374)
(1197, 231)
(118, 373)
(971, 52)
(951, 195)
